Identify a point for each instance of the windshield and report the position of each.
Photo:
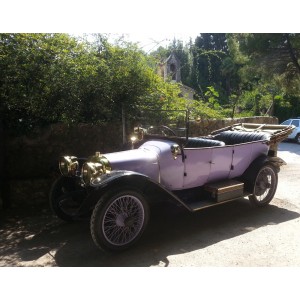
(169, 123)
(287, 122)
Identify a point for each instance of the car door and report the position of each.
(197, 165)
(203, 165)
(221, 163)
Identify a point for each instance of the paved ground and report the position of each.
(234, 234)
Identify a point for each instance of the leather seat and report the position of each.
(200, 142)
(237, 137)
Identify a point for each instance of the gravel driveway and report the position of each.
(233, 234)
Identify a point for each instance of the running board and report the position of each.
(212, 194)
(205, 203)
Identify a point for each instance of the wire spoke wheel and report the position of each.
(123, 220)
(265, 186)
(118, 221)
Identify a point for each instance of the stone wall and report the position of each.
(30, 163)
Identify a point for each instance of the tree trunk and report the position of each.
(4, 190)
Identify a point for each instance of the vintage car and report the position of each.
(115, 190)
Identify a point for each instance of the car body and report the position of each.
(295, 135)
(116, 189)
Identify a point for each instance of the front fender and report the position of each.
(127, 179)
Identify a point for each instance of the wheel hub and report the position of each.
(262, 185)
(120, 220)
(129, 222)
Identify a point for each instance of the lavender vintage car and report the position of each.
(116, 189)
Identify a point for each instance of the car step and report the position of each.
(204, 203)
(217, 193)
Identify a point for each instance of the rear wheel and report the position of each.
(119, 219)
(265, 185)
(297, 138)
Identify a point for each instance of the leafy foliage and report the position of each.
(41, 78)
(47, 78)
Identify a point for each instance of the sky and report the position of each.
(148, 20)
(156, 39)
(152, 41)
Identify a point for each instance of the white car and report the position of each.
(295, 135)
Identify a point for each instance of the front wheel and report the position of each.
(66, 197)
(119, 219)
(297, 138)
(265, 185)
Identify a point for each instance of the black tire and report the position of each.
(119, 219)
(297, 138)
(65, 198)
(265, 185)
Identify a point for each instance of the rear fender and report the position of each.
(250, 174)
(277, 162)
(127, 179)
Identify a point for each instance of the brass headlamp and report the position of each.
(68, 165)
(96, 166)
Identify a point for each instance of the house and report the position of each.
(170, 70)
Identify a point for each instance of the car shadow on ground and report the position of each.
(171, 231)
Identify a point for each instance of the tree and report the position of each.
(40, 75)
(47, 78)
(209, 52)
(275, 54)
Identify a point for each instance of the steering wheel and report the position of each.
(162, 130)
